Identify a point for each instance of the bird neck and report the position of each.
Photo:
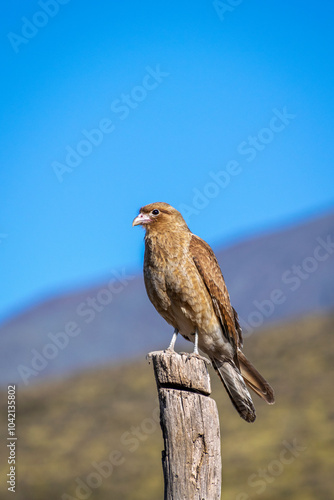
(168, 243)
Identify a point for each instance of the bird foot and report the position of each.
(196, 355)
(171, 350)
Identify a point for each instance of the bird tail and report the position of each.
(254, 379)
(236, 388)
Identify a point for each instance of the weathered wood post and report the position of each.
(189, 421)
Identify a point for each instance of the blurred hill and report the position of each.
(71, 430)
(270, 278)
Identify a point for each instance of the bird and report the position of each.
(185, 284)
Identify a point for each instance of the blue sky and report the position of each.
(184, 95)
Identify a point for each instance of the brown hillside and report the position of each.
(66, 428)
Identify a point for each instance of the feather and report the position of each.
(236, 389)
(254, 379)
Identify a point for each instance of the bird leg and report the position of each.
(172, 342)
(195, 351)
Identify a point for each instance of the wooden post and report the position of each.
(190, 426)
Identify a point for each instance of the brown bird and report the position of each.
(185, 284)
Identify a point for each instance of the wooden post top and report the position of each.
(181, 371)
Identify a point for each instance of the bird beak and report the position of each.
(141, 219)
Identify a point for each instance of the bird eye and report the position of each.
(155, 212)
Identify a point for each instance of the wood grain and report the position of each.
(190, 426)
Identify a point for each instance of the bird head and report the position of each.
(159, 216)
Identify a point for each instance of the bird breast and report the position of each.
(175, 286)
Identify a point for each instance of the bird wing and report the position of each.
(208, 267)
(238, 328)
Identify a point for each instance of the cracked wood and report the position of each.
(190, 425)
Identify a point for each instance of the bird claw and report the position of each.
(197, 356)
(170, 350)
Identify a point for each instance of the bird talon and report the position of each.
(198, 356)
